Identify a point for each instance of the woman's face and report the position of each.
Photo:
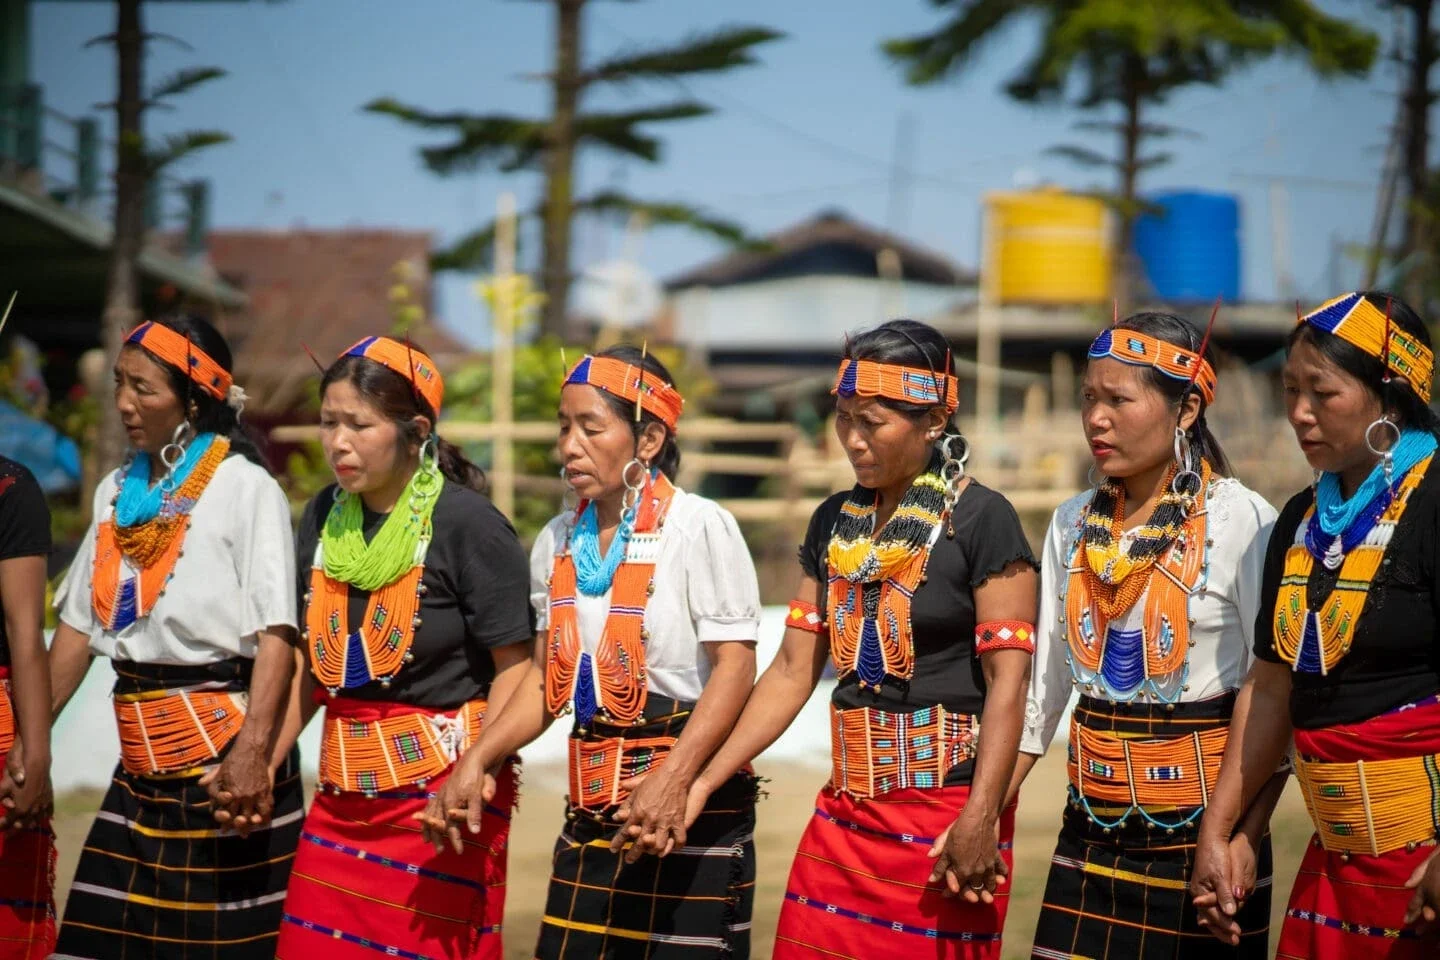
(1329, 410)
(362, 445)
(596, 443)
(886, 447)
(149, 407)
(1129, 424)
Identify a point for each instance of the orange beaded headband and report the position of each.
(1142, 350)
(628, 381)
(1353, 318)
(182, 353)
(870, 378)
(405, 360)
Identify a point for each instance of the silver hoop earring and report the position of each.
(569, 500)
(1090, 477)
(1185, 472)
(630, 504)
(174, 452)
(1387, 456)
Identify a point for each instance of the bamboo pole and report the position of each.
(502, 312)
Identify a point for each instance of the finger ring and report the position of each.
(977, 884)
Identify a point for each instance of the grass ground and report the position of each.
(782, 817)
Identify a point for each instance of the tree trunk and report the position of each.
(1124, 272)
(560, 168)
(122, 291)
(1416, 150)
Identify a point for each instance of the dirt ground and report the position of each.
(782, 817)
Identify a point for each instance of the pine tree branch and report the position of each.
(720, 50)
(668, 214)
(180, 145)
(183, 81)
(930, 57)
(617, 130)
(1082, 156)
(510, 143)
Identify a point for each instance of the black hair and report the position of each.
(398, 401)
(668, 460)
(907, 343)
(1409, 409)
(1181, 333)
(206, 413)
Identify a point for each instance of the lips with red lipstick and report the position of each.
(345, 470)
(1100, 450)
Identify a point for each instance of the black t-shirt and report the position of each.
(1393, 658)
(477, 581)
(24, 527)
(988, 538)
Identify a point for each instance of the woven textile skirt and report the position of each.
(27, 869)
(159, 878)
(365, 883)
(1355, 907)
(859, 885)
(1123, 893)
(694, 903)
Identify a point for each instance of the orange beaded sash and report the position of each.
(176, 732)
(598, 766)
(133, 564)
(873, 752)
(1138, 664)
(7, 714)
(1139, 773)
(619, 681)
(340, 658)
(373, 747)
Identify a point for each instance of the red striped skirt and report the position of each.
(365, 883)
(1355, 907)
(858, 886)
(27, 869)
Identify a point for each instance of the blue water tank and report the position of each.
(1189, 247)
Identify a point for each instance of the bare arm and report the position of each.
(299, 709)
(523, 716)
(70, 660)
(22, 584)
(969, 855)
(242, 784)
(774, 703)
(1024, 763)
(1248, 788)
(512, 662)
(654, 814)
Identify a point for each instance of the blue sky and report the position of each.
(814, 126)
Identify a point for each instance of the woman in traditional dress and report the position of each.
(1346, 649)
(185, 580)
(415, 605)
(1149, 587)
(648, 609)
(920, 585)
(27, 844)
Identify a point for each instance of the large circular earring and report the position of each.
(1387, 456)
(569, 500)
(634, 490)
(1186, 476)
(173, 453)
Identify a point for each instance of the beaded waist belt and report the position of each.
(1140, 773)
(7, 715)
(1372, 806)
(371, 748)
(873, 751)
(598, 765)
(175, 732)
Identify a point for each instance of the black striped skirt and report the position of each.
(158, 877)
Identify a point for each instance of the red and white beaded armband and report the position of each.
(805, 616)
(1004, 635)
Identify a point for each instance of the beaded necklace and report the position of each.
(872, 579)
(134, 563)
(390, 568)
(594, 573)
(613, 681)
(1314, 641)
(1165, 562)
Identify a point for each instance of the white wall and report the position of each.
(801, 312)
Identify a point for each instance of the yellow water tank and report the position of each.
(1046, 247)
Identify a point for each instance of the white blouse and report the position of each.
(235, 575)
(705, 592)
(1239, 522)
